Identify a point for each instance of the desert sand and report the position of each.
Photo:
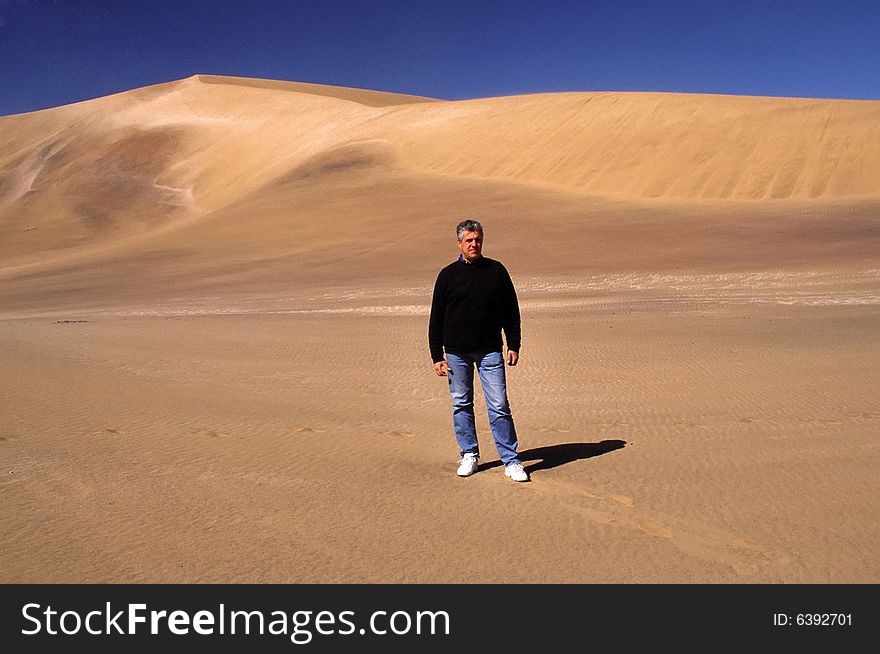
(214, 297)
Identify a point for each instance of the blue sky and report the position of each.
(54, 52)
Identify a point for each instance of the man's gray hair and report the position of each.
(467, 226)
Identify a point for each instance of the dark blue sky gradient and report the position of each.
(55, 52)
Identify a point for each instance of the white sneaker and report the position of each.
(516, 472)
(469, 464)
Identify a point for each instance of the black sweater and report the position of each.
(472, 303)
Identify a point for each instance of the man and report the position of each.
(474, 300)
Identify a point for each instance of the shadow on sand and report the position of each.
(553, 456)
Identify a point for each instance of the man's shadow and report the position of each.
(553, 456)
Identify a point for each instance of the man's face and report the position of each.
(471, 245)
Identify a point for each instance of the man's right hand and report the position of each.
(440, 368)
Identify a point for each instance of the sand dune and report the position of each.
(253, 171)
(121, 165)
(213, 304)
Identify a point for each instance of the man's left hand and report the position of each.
(512, 357)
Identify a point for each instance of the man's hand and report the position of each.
(512, 357)
(440, 368)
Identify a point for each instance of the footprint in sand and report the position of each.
(400, 433)
(213, 433)
(623, 500)
(107, 431)
(656, 528)
(692, 538)
(305, 429)
(557, 430)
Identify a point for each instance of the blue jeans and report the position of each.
(461, 387)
